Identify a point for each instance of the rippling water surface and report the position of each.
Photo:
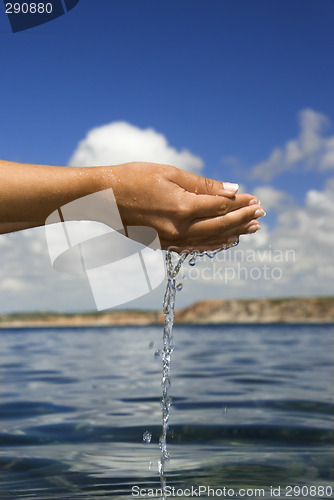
(252, 407)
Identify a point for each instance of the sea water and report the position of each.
(252, 407)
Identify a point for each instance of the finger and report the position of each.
(203, 185)
(228, 238)
(203, 206)
(247, 228)
(218, 225)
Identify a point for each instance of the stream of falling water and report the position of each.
(174, 263)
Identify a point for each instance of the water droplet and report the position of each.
(147, 436)
(151, 344)
(225, 411)
(150, 465)
(192, 261)
(179, 287)
(157, 353)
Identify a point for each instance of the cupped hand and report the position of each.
(188, 211)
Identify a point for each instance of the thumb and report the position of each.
(203, 185)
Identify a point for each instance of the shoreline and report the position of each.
(314, 310)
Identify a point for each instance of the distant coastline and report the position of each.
(289, 310)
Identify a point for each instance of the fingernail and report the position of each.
(260, 212)
(232, 240)
(254, 228)
(254, 201)
(230, 186)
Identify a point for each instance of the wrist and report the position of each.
(101, 178)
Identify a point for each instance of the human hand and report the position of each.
(189, 212)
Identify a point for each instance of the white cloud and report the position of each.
(28, 281)
(12, 285)
(298, 253)
(327, 160)
(308, 231)
(270, 197)
(302, 244)
(231, 161)
(310, 150)
(121, 142)
(303, 235)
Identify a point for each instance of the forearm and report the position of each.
(187, 211)
(30, 193)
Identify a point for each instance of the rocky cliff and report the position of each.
(295, 310)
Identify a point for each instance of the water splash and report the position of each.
(174, 263)
(147, 436)
(173, 266)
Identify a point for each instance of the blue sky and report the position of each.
(227, 80)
